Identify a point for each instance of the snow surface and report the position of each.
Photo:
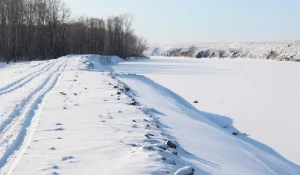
(282, 51)
(184, 171)
(63, 117)
(260, 98)
(75, 115)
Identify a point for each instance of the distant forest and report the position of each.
(43, 29)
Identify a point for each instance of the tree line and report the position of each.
(43, 29)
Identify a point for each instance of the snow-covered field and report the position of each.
(72, 116)
(257, 97)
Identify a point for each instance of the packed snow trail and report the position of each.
(82, 126)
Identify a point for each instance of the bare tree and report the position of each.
(42, 29)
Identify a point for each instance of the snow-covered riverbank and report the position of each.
(280, 51)
(75, 115)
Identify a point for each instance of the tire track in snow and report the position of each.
(26, 79)
(17, 133)
(17, 110)
(38, 64)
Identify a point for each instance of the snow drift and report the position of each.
(203, 145)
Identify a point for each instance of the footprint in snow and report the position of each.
(135, 126)
(55, 173)
(52, 148)
(168, 161)
(58, 124)
(62, 93)
(149, 135)
(65, 158)
(55, 167)
(59, 129)
(133, 145)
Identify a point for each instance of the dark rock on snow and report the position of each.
(171, 144)
(235, 133)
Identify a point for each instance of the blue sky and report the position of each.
(195, 21)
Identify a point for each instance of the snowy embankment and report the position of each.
(251, 95)
(75, 115)
(281, 51)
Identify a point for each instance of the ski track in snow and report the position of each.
(16, 130)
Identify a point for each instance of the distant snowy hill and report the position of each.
(281, 51)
